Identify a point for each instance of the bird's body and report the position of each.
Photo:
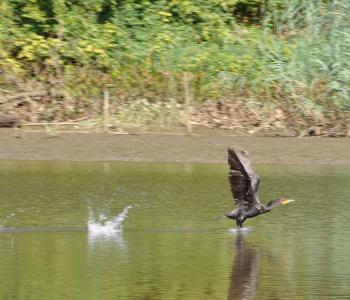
(244, 186)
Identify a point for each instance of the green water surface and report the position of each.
(170, 246)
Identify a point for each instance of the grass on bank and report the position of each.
(289, 56)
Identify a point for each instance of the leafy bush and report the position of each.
(288, 52)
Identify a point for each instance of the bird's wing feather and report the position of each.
(243, 179)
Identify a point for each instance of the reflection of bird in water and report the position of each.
(244, 186)
(245, 272)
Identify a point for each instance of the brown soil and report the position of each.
(208, 146)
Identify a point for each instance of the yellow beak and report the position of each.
(286, 201)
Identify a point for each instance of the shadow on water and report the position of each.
(245, 271)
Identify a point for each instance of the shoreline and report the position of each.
(207, 147)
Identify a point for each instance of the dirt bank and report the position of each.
(209, 146)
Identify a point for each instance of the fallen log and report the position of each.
(23, 95)
(9, 121)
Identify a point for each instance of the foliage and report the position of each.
(254, 49)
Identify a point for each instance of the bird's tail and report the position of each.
(232, 214)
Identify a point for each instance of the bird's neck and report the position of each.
(267, 208)
(272, 204)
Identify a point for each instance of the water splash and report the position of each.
(242, 230)
(102, 225)
(4, 221)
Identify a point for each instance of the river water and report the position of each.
(110, 230)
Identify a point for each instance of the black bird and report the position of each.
(244, 186)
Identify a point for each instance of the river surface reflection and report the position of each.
(147, 231)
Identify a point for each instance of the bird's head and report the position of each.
(279, 201)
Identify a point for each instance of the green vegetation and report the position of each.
(289, 54)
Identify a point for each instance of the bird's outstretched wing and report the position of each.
(243, 179)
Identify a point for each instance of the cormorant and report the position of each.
(244, 186)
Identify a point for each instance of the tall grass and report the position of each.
(295, 57)
(309, 59)
(298, 55)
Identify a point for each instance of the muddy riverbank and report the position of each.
(206, 147)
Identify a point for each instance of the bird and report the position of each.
(244, 182)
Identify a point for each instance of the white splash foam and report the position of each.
(4, 221)
(104, 226)
(239, 230)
